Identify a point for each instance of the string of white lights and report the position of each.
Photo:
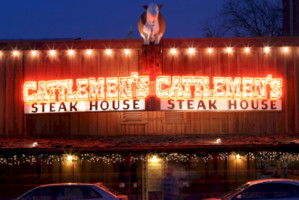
(172, 51)
(108, 158)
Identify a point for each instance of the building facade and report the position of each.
(217, 111)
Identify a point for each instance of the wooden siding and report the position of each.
(14, 70)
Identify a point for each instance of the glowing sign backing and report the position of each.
(85, 106)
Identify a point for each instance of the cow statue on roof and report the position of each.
(151, 24)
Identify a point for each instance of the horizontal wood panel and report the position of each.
(25, 67)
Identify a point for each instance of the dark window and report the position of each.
(296, 189)
(44, 193)
(270, 191)
(254, 192)
(284, 190)
(77, 192)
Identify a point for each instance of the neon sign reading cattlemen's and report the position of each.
(175, 93)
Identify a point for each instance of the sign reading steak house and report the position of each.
(187, 93)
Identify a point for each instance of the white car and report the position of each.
(71, 191)
(274, 189)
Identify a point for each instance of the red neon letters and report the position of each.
(198, 87)
(167, 87)
(109, 88)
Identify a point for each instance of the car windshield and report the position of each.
(223, 196)
(108, 189)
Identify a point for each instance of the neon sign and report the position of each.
(110, 88)
(175, 93)
(250, 88)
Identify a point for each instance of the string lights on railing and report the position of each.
(173, 51)
(108, 52)
(15, 53)
(127, 51)
(247, 49)
(267, 49)
(52, 52)
(285, 49)
(34, 52)
(89, 52)
(71, 52)
(191, 50)
(229, 50)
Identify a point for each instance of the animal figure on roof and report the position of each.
(151, 24)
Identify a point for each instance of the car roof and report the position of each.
(99, 185)
(275, 180)
(70, 184)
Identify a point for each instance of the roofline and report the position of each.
(59, 44)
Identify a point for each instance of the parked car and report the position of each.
(72, 191)
(274, 189)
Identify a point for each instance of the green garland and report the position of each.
(108, 158)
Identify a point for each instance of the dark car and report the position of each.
(274, 189)
(71, 191)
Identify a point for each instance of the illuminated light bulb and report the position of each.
(173, 51)
(33, 52)
(285, 49)
(191, 51)
(229, 50)
(35, 144)
(218, 141)
(89, 51)
(154, 159)
(15, 53)
(109, 52)
(210, 50)
(71, 52)
(52, 52)
(69, 157)
(267, 49)
(127, 51)
(238, 156)
(247, 49)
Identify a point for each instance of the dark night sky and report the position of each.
(99, 19)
